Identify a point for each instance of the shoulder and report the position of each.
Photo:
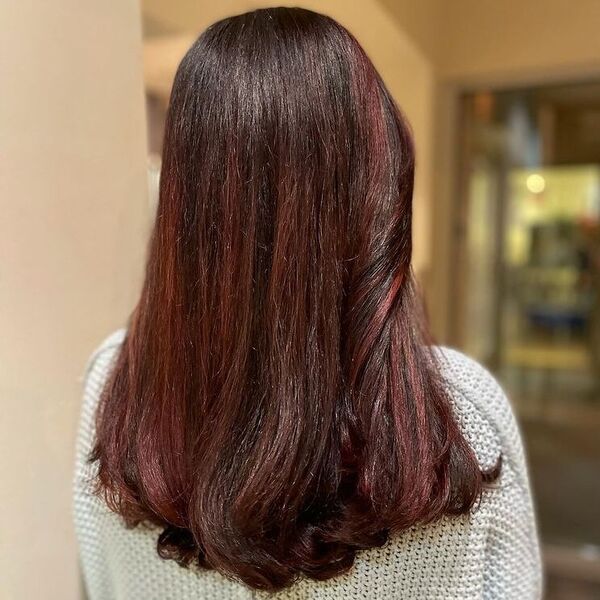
(98, 368)
(101, 358)
(488, 422)
(482, 409)
(96, 371)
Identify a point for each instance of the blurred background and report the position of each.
(504, 100)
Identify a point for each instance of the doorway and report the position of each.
(527, 297)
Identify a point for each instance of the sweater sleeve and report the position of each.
(512, 551)
(96, 370)
(88, 510)
(512, 557)
(512, 561)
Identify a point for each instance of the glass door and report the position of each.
(529, 298)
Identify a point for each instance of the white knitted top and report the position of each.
(491, 553)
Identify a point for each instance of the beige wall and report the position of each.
(486, 38)
(72, 217)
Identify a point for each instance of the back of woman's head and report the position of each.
(275, 406)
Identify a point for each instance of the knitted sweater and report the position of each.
(490, 553)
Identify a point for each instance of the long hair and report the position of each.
(276, 405)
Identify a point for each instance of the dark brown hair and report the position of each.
(276, 405)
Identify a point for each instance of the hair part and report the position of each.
(276, 405)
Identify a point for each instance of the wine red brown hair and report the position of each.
(276, 405)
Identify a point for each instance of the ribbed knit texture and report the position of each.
(491, 554)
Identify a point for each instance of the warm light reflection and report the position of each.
(536, 184)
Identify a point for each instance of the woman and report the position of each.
(274, 419)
